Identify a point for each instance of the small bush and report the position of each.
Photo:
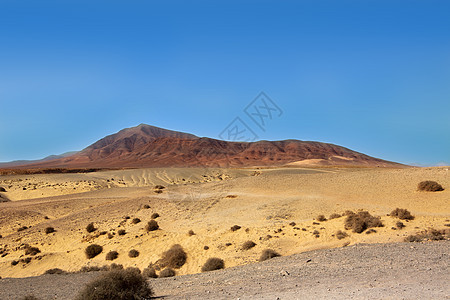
(90, 228)
(32, 251)
(22, 228)
(168, 272)
(110, 235)
(117, 284)
(146, 206)
(121, 232)
(159, 187)
(112, 255)
(212, 264)
(235, 227)
(429, 186)
(268, 254)
(149, 273)
(152, 225)
(348, 213)
(292, 224)
(321, 218)
(430, 235)
(191, 232)
(135, 221)
(341, 234)
(175, 257)
(49, 230)
(334, 216)
(29, 297)
(55, 271)
(93, 250)
(361, 221)
(133, 253)
(402, 214)
(205, 247)
(155, 215)
(248, 245)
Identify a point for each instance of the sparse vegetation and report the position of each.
(117, 284)
(112, 255)
(348, 213)
(205, 247)
(93, 250)
(268, 254)
(399, 225)
(292, 224)
(341, 234)
(168, 272)
(152, 225)
(175, 257)
(133, 253)
(191, 232)
(429, 186)
(155, 215)
(49, 230)
(146, 206)
(212, 264)
(361, 221)
(159, 187)
(135, 221)
(29, 297)
(321, 218)
(121, 232)
(55, 271)
(90, 228)
(428, 235)
(402, 214)
(22, 228)
(248, 245)
(32, 251)
(235, 227)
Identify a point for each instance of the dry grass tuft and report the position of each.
(212, 264)
(117, 284)
(361, 221)
(429, 186)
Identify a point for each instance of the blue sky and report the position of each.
(373, 76)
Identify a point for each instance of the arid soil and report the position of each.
(377, 271)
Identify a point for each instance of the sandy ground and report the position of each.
(377, 271)
(264, 202)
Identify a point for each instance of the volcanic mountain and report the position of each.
(149, 146)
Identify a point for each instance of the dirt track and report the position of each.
(379, 271)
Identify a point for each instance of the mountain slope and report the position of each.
(149, 146)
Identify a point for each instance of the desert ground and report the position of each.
(276, 208)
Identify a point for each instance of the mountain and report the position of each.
(149, 146)
(17, 163)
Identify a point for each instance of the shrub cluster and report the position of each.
(360, 221)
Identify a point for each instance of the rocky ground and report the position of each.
(361, 271)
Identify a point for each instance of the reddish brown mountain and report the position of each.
(149, 146)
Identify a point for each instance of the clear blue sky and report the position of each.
(373, 76)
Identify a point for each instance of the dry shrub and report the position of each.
(2, 189)
(32, 250)
(155, 215)
(110, 235)
(235, 227)
(191, 232)
(93, 250)
(152, 225)
(268, 254)
(429, 235)
(112, 255)
(29, 297)
(87, 269)
(248, 245)
(117, 284)
(159, 187)
(49, 230)
(115, 266)
(146, 206)
(292, 224)
(121, 232)
(402, 214)
(361, 221)
(341, 234)
(135, 221)
(348, 213)
(149, 273)
(429, 186)
(175, 257)
(399, 225)
(22, 228)
(133, 253)
(212, 264)
(205, 247)
(321, 218)
(55, 271)
(334, 216)
(168, 272)
(90, 228)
